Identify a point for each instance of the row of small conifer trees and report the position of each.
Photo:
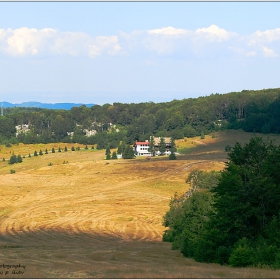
(18, 159)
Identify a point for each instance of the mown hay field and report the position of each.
(84, 217)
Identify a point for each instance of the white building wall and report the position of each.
(143, 150)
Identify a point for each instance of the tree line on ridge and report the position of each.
(249, 110)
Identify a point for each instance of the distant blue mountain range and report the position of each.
(63, 106)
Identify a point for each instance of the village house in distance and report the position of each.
(145, 149)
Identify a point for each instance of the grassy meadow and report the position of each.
(75, 215)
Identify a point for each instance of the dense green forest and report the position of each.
(250, 110)
(231, 217)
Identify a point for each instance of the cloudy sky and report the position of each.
(105, 52)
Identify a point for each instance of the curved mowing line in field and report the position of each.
(84, 203)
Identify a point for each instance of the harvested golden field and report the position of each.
(85, 217)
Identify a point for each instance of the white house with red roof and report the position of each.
(142, 148)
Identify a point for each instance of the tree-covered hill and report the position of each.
(109, 124)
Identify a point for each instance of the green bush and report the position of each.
(12, 171)
(223, 254)
(228, 148)
(168, 236)
(242, 254)
(264, 253)
(172, 156)
(276, 264)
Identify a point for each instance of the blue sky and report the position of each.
(105, 52)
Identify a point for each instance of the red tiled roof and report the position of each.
(142, 143)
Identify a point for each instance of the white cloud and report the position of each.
(30, 41)
(269, 52)
(214, 33)
(208, 42)
(242, 51)
(168, 31)
(176, 41)
(268, 35)
(107, 44)
(21, 41)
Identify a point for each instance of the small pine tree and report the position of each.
(46, 151)
(120, 150)
(152, 146)
(29, 155)
(53, 150)
(108, 153)
(13, 159)
(86, 147)
(3, 159)
(173, 148)
(114, 155)
(59, 150)
(40, 153)
(19, 159)
(128, 152)
(162, 146)
(65, 149)
(73, 149)
(172, 156)
(35, 154)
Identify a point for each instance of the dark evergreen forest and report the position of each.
(257, 111)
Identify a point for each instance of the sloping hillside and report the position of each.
(85, 217)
